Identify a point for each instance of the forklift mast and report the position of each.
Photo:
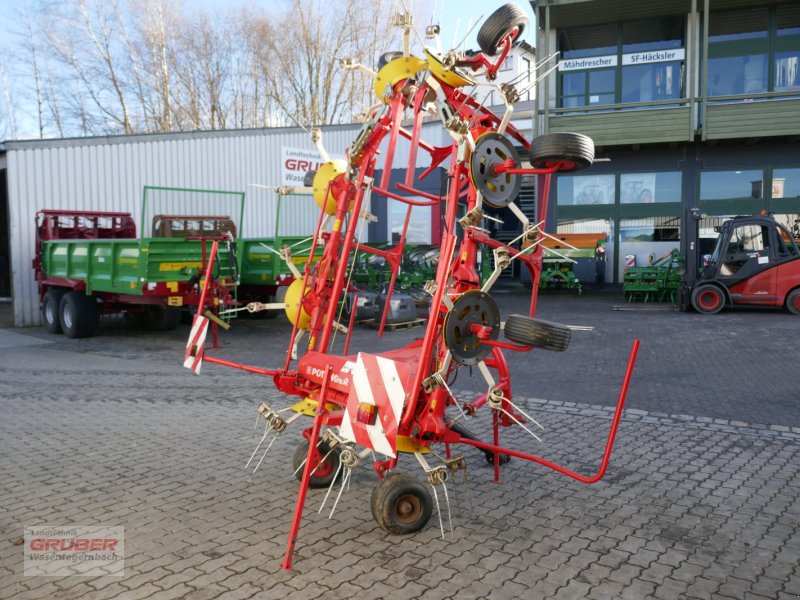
(690, 247)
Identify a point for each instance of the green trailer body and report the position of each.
(129, 267)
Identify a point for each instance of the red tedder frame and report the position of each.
(323, 378)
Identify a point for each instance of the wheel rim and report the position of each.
(709, 299)
(324, 468)
(407, 509)
(67, 317)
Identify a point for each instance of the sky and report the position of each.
(456, 19)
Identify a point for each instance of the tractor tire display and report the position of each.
(79, 314)
(327, 470)
(708, 299)
(571, 151)
(537, 333)
(402, 504)
(51, 304)
(500, 24)
(793, 302)
(388, 57)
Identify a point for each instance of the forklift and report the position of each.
(755, 262)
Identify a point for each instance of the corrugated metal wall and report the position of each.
(110, 174)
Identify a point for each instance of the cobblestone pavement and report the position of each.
(696, 504)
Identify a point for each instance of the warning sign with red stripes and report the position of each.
(375, 403)
(195, 347)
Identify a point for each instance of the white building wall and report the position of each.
(109, 174)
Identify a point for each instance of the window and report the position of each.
(787, 48)
(731, 185)
(650, 229)
(646, 188)
(748, 238)
(652, 60)
(581, 190)
(639, 61)
(754, 51)
(786, 183)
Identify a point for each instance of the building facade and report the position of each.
(695, 103)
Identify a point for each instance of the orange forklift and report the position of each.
(755, 262)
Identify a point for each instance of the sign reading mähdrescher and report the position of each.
(295, 163)
(590, 62)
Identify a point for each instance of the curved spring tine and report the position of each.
(447, 502)
(517, 421)
(330, 487)
(263, 456)
(438, 510)
(346, 483)
(263, 437)
(524, 414)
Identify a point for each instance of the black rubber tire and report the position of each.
(498, 25)
(465, 432)
(403, 504)
(793, 302)
(388, 57)
(323, 476)
(163, 318)
(562, 147)
(79, 314)
(537, 333)
(136, 319)
(308, 178)
(708, 299)
(373, 498)
(51, 310)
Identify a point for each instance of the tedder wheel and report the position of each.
(537, 333)
(491, 150)
(793, 302)
(50, 310)
(79, 314)
(308, 178)
(500, 24)
(324, 474)
(388, 57)
(572, 151)
(402, 504)
(708, 299)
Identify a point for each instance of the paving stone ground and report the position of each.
(109, 431)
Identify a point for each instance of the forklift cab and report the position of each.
(748, 246)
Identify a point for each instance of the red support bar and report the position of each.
(405, 199)
(435, 199)
(353, 312)
(207, 281)
(301, 494)
(455, 438)
(233, 365)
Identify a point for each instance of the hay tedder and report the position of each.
(375, 407)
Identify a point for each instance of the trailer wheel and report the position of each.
(793, 302)
(570, 151)
(163, 318)
(324, 473)
(500, 24)
(79, 314)
(51, 307)
(388, 57)
(708, 299)
(403, 504)
(537, 333)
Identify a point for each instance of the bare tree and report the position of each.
(7, 121)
